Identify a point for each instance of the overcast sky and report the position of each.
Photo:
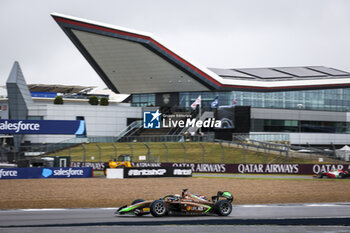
(220, 34)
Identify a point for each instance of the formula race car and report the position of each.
(336, 173)
(186, 204)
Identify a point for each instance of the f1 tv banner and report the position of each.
(42, 127)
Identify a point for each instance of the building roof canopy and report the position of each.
(130, 61)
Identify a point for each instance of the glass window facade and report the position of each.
(143, 100)
(35, 118)
(268, 125)
(335, 100)
(326, 100)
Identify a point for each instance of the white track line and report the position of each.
(60, 209)
(293, 205)
(242, 206)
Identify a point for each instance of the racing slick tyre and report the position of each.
(138, 212)
(320, 175)
(341, 175)
(159, 208)
(121, 166)
(223, 207)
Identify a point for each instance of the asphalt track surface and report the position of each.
(330, 214)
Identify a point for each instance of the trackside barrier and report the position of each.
(46, 172)
(148, 172)
(241, 168)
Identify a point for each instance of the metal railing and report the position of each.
(242, 141)
(263, 137)
(194, 152)
(134, 125)
(168, 138)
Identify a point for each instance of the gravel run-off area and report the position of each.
(101, 192)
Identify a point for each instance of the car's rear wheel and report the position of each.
(223, 207)
(320, 175)
(158, 208)
(341, 175)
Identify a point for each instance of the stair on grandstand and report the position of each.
(204, 116)
(130, 130)
(177, 130)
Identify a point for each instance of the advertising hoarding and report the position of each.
(45, 172)
(42, 127)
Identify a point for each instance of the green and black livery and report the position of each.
(185, 204)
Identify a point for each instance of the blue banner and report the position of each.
(45, 172)
(41, 127)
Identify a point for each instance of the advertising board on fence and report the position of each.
(140, 172)
(97, 166)
(301, 169)
(45, 172)
(148, 172)
(42, 127)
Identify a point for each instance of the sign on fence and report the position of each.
(141, 172)
(42, 127)
(45, 172)
(301, 169)
(150, 172)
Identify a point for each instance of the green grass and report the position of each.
(194, 154)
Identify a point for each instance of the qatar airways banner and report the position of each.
(42, 127)
(298, 169)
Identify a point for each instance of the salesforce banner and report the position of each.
(41, 127)
(45, 172)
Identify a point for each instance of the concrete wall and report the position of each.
(100, 120)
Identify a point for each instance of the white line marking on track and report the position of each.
(59, 209)
(291, 205)
(243, 206)
(41, 209)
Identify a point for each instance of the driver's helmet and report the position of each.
(199, 196)
(177, 196)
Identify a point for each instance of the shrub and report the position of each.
(104, 101)
(93, 100)
(58, 100)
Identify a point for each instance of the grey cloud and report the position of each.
(247, 33)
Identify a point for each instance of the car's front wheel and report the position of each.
(223, 207)
(159, 208)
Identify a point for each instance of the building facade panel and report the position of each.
(102, 121)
